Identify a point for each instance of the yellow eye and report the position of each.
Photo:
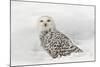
(41, 20)
(48, 20)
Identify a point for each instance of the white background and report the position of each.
(5, 38)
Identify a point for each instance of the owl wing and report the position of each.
(68, 45)
(61, 44)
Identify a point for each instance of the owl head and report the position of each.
(46, 23)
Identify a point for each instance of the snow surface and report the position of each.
(77, 22)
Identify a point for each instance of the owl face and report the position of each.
(46, 23)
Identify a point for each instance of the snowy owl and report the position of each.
(53, 41)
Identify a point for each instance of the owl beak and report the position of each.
(45, 24)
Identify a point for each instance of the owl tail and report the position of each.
(75, 49)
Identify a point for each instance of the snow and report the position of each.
(77, 22)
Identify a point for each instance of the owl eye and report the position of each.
(48, 20)
(41, 20)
